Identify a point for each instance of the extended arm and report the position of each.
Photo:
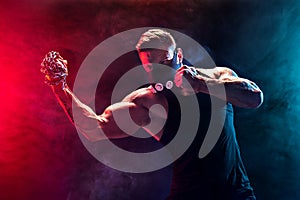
(238, 91)
(91, 125)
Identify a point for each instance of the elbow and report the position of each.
(261, 99)
(92, 135)
(88, 128)
(257, 99)
(92, 138)
(248, 100)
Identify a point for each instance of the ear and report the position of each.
(179, 55)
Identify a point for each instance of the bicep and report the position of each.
(126, 111)
(240, 91)
(123, 119)
(228, 75)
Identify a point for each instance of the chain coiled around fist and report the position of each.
(55, 68)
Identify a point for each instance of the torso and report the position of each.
(219, 175)
(221, 172)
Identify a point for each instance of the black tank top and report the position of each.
(221, 173)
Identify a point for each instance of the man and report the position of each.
(220, 174)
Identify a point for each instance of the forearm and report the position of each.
(82, 116)
(243, 93)
(115, 122)
(64, 99)
(238, 91)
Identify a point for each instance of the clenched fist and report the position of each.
(55, 68)
(188, 79)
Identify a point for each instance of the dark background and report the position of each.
(41, 156)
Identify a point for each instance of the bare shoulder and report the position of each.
(145, 96)
(225, 71)
(213, 73)
(139, 94)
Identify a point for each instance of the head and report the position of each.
(157, 46)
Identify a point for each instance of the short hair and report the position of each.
(155, 39)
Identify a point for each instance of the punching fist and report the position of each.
(55, 68)
(186, 77)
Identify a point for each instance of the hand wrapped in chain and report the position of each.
(55, 68)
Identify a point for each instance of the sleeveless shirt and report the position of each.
(221, 174)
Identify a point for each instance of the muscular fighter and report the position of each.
(219, 175)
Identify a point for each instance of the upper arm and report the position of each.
(229, 75)
(150, 111)
(243, 92)
(225, 72)
(123, 119)
(126, 111)
(119, 120)
(131, 109)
